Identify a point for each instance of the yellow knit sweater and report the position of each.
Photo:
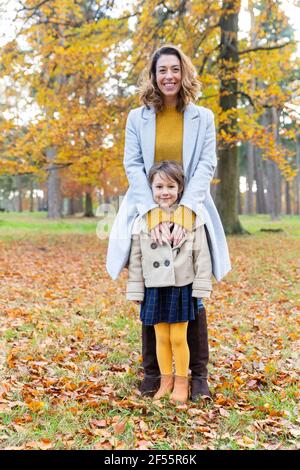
(169, 135)
(168, 146)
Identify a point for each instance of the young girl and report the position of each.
(167, 280)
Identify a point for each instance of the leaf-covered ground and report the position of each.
(70, 352)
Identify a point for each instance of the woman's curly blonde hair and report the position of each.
(149, 92)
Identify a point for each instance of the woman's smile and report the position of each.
(169, 85)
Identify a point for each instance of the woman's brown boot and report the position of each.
(151, 379)
(166, 386)
(181, 389)
(198, 344)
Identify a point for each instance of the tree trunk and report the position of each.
(296, 198)
(288, 207)
(270, 170)
(278, 187)
(261, 204)
(78, 204)
(297, 178)
(88, 205)
(31, 207)
(272, 191)
(274, 177)
(228, 168)
(250, 179)
(19, 195)
(53, 184)
(213, 191)
(250, 153)
(240, 204)
(69, 206)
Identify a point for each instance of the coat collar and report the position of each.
(191, 121)
(140, 225)
(191, 111)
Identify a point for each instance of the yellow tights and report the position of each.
(172, 337)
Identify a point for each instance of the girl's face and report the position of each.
(168, 77)
(165, 191)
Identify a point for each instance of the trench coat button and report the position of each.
(153, 246)
(167, 262)
(156, 264)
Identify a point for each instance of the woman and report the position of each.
(170, 126)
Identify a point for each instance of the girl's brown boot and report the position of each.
(166, 386)
(181, 389)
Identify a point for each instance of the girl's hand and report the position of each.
(156, 232)
(165, 229)
(178, 234)
(155, 235)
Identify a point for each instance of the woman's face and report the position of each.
(168, 77)
(164, 190)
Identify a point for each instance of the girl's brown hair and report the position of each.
(171, 170)
(149, 92)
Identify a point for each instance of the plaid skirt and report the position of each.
(169, 305)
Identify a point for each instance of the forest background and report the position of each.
(69, 78)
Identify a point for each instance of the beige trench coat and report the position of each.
(152, 265)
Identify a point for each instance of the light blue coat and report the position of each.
(199, 163)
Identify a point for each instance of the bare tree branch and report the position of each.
(57, 166)
(246, 51)
(34, 7)
(206, 57)
(167, 8)
(239, 92)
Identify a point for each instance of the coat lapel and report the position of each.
(148, 129)
(191, 121)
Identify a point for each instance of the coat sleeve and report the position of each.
(197, 187)
(135, 283)
(202, 284)
(135, 169)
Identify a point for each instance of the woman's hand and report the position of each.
(178, 234)
(156, 232)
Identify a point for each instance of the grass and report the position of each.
(70, 346)
(14, 225)
(290, 224)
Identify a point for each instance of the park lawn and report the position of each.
(14, 225)
(70, 348)
(289, 224)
